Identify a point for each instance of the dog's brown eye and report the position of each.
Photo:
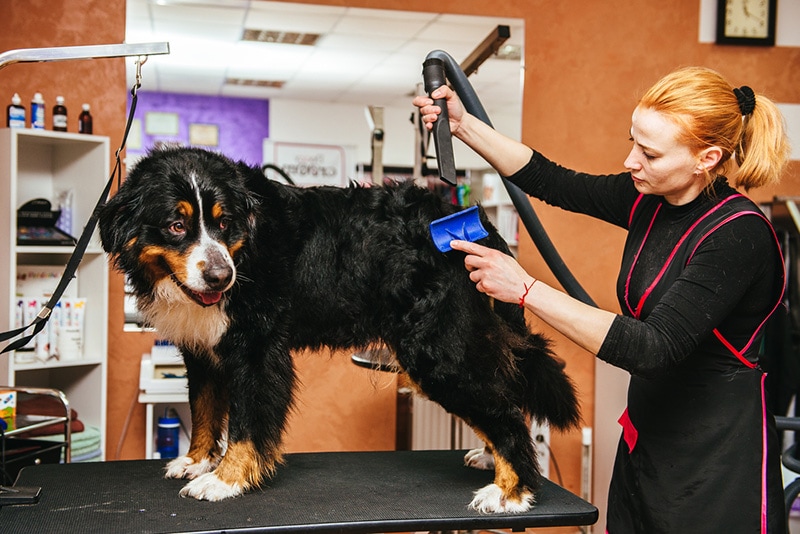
(223, 224)
(177, 227)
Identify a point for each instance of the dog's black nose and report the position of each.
(217, 272)
(218, 277)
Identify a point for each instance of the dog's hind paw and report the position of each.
(491, 500)
(208, 487)
(479, 459)
(185, 467)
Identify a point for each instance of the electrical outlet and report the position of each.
(540, 434)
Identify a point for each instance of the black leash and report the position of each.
(80, 248)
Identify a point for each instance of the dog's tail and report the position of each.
(550, 393)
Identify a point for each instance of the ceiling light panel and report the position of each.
(280, 37)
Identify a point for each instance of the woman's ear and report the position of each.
(708, 159)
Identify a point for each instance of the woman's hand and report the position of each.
(501, 277)
(429, 112)
(495, 273)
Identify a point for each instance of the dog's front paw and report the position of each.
(208, 487)
(185, 467)
(491, 500)
(479, 459)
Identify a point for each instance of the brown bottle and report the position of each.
(60, 115)
(85, 121)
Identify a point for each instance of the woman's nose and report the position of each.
(632, 162)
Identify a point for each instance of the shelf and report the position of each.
(55, 364)
(46, 164)
(47, 249)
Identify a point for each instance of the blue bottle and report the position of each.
(167, 439)
(37, 112)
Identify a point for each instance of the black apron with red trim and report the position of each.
(690, 446)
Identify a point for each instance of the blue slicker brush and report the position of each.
(464, 225)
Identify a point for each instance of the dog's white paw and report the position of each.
(185, 467)
(479, 459)
(177, 468)
(490, 500)
(208, 487)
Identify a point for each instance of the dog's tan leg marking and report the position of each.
(241, 469)
(209, 416)
(504, 495)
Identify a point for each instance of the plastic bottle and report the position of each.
(85, 121)
(15, 115)
(37, 112)
(60, 115)
(167, 439)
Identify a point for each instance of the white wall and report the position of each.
(346, 125)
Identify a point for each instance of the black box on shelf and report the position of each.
(36, 225)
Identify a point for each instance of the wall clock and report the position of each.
(746, 22)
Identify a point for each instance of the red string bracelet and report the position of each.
(527, 288)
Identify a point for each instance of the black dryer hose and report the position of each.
(520, 200)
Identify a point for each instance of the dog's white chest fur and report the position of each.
(180, 320)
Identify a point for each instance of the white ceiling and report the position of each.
(364, 56)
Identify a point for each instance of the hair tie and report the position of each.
(746, 99)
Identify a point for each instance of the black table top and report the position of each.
(355, 492)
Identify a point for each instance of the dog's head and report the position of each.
(179, 221)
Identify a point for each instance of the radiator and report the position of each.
(434, 429)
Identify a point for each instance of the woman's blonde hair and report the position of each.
(755, 149)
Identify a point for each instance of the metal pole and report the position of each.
(63, 53)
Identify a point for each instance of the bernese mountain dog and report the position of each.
(239, 271)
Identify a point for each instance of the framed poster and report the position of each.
(204, 134)
(309, 164)
(160, 123)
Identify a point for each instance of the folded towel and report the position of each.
(85, 444)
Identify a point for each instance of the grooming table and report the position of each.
(355, 492)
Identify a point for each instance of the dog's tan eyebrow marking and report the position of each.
(235, 247)
(216, 210)
(185, 208)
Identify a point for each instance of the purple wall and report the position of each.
(243, 123)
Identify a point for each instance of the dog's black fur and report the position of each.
(313, 267)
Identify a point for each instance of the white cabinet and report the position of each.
(42, 164)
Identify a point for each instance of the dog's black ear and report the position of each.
(252, 180)
(115, 221)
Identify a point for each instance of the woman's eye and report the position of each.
(177, 228)
(644, 153)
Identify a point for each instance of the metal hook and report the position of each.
(141, 60)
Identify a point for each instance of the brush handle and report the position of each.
(433, 76)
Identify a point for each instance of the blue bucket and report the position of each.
(464, 225)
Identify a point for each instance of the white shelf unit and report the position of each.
(40, 164)
(497, 203)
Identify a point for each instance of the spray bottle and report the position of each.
(37, 111)
(15, 115)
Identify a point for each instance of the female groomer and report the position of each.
(701, 273)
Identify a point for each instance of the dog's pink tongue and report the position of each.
(210, 297)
